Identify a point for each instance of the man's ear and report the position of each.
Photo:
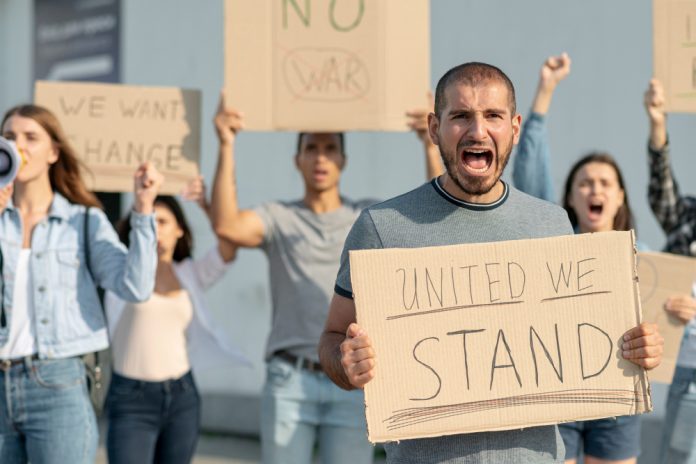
(297, 160)
(433, 126)
(343, 162)
(516, 128)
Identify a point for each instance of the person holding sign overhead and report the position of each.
(676, 214)
(475, 125)
(302, 240)
(50, 314)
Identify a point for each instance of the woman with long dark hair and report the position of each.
(50, 314)
(153, 403)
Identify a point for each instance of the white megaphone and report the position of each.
(11, 161)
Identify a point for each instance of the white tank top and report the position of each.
(149, 343)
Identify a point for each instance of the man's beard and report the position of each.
(476, 185)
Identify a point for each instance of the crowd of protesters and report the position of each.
(57, 248)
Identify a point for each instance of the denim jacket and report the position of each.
(68, 317)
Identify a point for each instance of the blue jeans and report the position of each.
(613, 439)
(679, 429)
(45, 413)
(298, 407)
(152, 421)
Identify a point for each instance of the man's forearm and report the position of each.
(330, 358)
(224, 207)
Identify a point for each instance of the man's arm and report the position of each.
(345, 350)
(195, 191)
(418, 122)
(240, 227)
(532, 170)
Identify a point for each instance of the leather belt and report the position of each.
(6, 364)
(302, 363)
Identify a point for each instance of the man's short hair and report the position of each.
(341, 141)
(472, 74)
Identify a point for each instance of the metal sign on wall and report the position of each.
(77, 40)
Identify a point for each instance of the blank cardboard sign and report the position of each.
(499, 336)
(114, 128)
(317, 65)
(674, 52)
(662, 275)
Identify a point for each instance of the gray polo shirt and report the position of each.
(429, 216)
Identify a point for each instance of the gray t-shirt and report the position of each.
(428, 216)
(303, 250)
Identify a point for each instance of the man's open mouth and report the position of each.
(477, 160)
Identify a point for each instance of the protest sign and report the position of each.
(499, 336)
(674, 52)
(317, 65)
(114, 128)
(662, 275)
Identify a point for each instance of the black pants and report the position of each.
(152, 422)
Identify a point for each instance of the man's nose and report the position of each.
(477, 128)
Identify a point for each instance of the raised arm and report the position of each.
(345, 350)
(129, 273)
(532, 163)
(242, 228)
(195, 191)
(418, 122)
(663, 191)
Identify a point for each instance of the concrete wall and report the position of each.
(179, 43)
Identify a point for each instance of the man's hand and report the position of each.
(654, 101)
(147, 181)
(418, 123)
(642, 345)
(227, 121)
(357, 356)
(5, 195)
(554, 70)
(683, 307)
(418, 120)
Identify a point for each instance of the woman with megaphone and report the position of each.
(50, 314)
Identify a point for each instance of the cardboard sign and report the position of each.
(663, 275)
(674, 52)
(499, 336)
(114, 128)
(318, 65)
